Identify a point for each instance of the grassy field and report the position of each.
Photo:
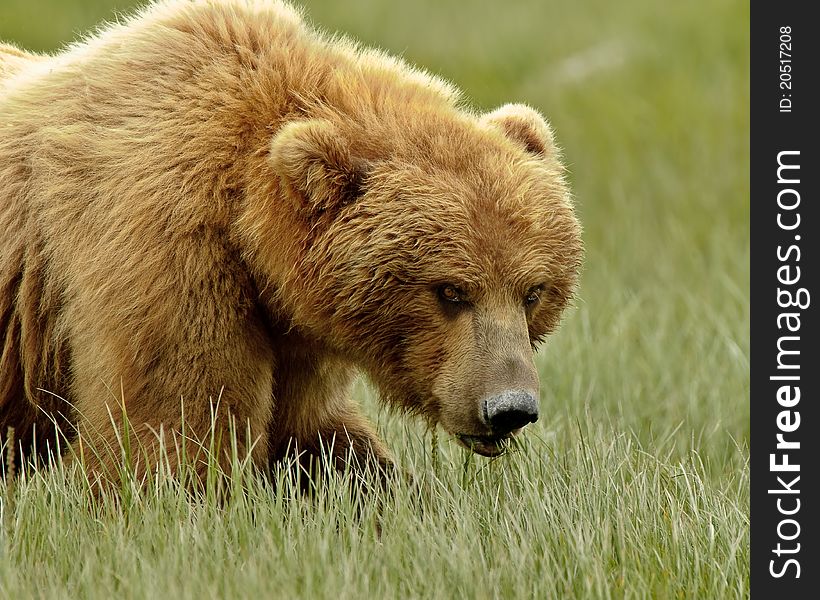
(635, 482)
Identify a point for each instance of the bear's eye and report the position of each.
(450, 293)
(533, 296)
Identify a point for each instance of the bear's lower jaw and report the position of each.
(485, 445)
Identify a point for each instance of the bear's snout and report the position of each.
(510, 410)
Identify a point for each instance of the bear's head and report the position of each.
(436, 251)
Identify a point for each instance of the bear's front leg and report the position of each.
(314, 417)
(347, 444)
(353, 443)
(195, 409)
(167, 372)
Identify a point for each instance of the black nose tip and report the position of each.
(510, 410)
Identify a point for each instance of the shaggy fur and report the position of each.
(213, 201)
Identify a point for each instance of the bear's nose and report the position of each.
(510, 410)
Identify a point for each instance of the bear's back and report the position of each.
(13, 60)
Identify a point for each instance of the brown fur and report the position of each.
(211, 200)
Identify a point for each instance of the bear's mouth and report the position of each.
(486, 445)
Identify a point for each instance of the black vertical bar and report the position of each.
(784, 228)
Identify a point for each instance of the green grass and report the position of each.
(635, 482)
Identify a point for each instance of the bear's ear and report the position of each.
(523, 125)
(314, 161)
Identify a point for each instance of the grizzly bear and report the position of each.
(213, 217)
